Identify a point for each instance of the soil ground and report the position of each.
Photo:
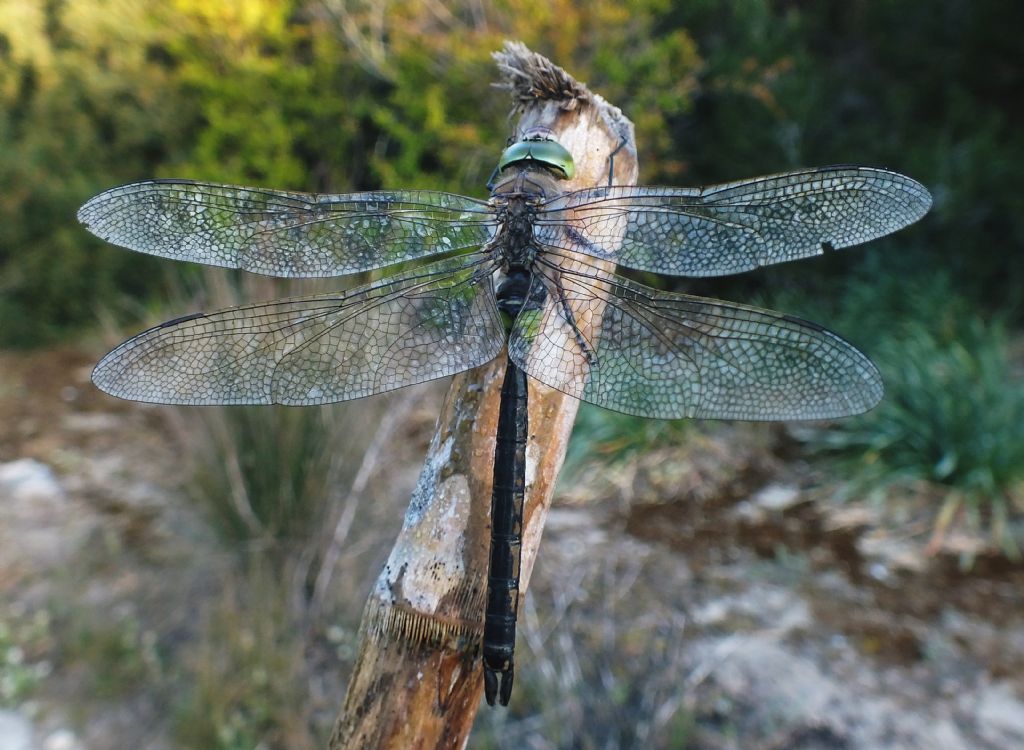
(712, 595)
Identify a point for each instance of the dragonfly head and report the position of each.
(539, 145)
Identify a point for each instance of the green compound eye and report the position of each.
(548, 152)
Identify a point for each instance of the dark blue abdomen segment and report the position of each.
(507, 496)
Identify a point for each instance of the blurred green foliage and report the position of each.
(265, 475)
(248, 681)
(118, 657)
(23, 640)
(953, 411)
(336, 95)
(349, 94)
(81, 103)
(601, 435)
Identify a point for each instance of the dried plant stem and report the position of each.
(417, 680)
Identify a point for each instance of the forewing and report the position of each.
(664, 355)
(286, 234)
(733, 227)
(408, 328)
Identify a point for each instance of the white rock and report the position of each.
(62, 739)
(1000, 715)
(28, 479)
(785, 686)
(776, 497)
(38, 525)
(16, 732)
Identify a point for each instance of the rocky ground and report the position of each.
(712, 596)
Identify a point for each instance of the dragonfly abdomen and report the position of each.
(507, 497)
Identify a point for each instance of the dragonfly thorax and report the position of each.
(514, 246)
(516, 199)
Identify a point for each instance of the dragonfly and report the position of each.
(527, 273)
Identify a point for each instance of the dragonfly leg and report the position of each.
(490, 180)
(611, 161)
(571, 320)
(497, 167)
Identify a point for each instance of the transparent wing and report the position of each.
(626, 347)
(408, 328)
(279, 233)
(734, 227)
